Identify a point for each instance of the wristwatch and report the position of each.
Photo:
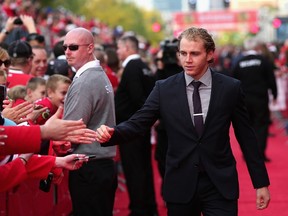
(5, 31)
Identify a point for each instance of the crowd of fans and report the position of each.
(36, 92)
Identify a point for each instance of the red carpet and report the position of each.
(278, 172)
(27, 200)
(277, 151)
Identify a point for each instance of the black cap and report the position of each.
(61, 67)
(20, 49)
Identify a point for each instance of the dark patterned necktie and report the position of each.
(198, 114)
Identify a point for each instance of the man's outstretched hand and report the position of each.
(104, 133)
(66, 130)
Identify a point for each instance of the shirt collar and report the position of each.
(205, 79)
(61, 57)
(15, 71)
(90, 64)
(250, 52)
(129, 58)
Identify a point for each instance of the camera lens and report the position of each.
(18, 21)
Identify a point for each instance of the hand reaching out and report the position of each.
(29, 23)
(104, 134)
(71, 162)
(36, 113)
(9, 26)
(19, 113)
(66, 130)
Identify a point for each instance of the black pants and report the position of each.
(260, 117)
(207, 200)
(136, 162)
(160, 153)
(92, 188)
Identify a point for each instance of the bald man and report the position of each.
(90, 97)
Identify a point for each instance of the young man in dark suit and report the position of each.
(200, 174)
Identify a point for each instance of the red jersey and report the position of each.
(44, 116)
(16, 77)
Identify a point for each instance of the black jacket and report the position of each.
(136, 83)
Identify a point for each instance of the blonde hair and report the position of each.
(34, 82)
(53, 80)
(17, 92)
(4, 54)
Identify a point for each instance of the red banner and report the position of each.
(216, 20)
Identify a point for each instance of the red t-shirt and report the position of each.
(17, 78)
(43, 117)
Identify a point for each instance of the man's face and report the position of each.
(77, 51)
(39, 63)
(57, 97)
(193, 57)
(122, 50)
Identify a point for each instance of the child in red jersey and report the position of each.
(56, 88)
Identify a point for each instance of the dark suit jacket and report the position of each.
(136, 83)
(168, 100)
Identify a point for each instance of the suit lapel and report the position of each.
(215, 94)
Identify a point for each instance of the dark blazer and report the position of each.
(168, 100)
(137, 82)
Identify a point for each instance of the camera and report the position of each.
(3, 92)
(170, 49)
(18, 21)
(45, 184)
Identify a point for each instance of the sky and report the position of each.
(147, 4)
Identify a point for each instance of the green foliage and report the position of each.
(73, 5)
(114, 13)
(232, 38)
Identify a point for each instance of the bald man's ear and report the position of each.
(90, 48)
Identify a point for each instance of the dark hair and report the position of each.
(112, 59)
(58, 49)
(132, 40)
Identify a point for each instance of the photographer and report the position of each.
(167, 64)
(166, 60)
(17, 28)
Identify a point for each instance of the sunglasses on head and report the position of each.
(36, 37)
(7, 63)
(73, 47)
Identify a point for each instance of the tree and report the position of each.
(114, 13)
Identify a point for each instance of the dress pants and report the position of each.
(136, 163)
(92, 188)
(207, 200)
(160, 153)
(259, 114)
